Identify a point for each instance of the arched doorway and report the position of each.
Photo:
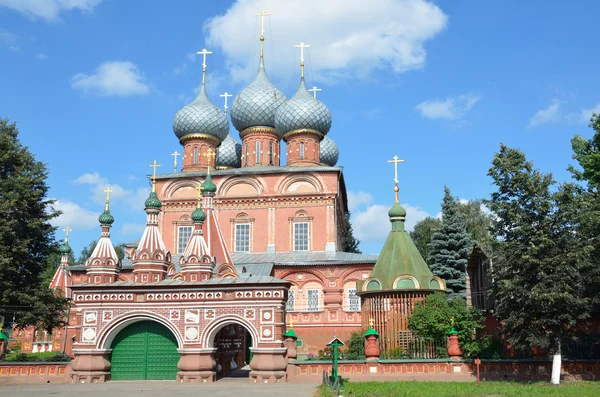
(144, 350)
(233, 356)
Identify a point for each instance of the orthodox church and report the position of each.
(237, 248)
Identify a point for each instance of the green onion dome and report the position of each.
(152, 201)
(106, 218)
(208, 186)
(201, 117)
(302, 111)
(255, 105)
(65, 248)
(198, 216)
(397, 211)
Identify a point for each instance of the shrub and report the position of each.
(355, 347)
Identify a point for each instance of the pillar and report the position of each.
(90, 366)
(268, 365)
(454, 350)
(372, 351)
(196, 365)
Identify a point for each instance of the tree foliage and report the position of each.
(540, 275)
(477, 221)
(355, 346)
(422, 234)
(451, 247)
(26, 236)
(349, 242)
(86, 252)
(432, 320)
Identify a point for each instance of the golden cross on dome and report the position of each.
(262, 16)
(210, 154)
(371, 322)
(108, 191)
(452, 319)
(199, 188)
(225, 95)
(314, 91)
(67, 230)
(175, 154)
(154, 165)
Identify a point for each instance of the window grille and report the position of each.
(291, 302)
(312, 300)
(353, 300)
(242, 237)
(183, 237)
(301, 236)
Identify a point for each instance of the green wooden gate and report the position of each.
(144, 350)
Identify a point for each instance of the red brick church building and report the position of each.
(237, 246)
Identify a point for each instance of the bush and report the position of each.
(432, 320)
(355, 347)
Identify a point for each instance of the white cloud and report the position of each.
(132, 228)
(97, 184)
(49, 10)
(346, 37)
(451, 108)
(586, 114)
(113, 78)
(371, 223)
(357, 199)
(74, 215)
(551, 114)
(41, 56)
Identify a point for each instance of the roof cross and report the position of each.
(395, 160)
(154, 165)
(262, 16)
(314, 91)
(371, 322)
(67, 230)
(210, 154)
(175, 154)
(204, 52)
(199, 188)
(108, 191)
(302, 46)
(225, 95)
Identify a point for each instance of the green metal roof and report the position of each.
(400, 263)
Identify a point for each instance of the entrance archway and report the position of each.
(144, 350)
(233, 356)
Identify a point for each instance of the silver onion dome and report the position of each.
(201, 117)
(229, 153)
(303, 111)
(328, 152)
(255, 106)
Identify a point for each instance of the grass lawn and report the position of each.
(459, 389)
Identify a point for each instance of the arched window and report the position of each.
(257, 152)
(270, 153)
(301, 150)
(195, 155)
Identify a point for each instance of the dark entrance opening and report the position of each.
(233, 354)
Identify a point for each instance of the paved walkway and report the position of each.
(226, 387)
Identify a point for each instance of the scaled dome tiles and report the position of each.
(201, 117)
(229, 153)
(256, 105)
(303, 111)
(328, 152)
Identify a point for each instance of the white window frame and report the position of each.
(307, 235)
(179, 241)
(314, 292)
(353, 298)
(236, 239)
(290, 305)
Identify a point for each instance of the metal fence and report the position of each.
(417, 348)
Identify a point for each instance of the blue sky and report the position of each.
(94, 84)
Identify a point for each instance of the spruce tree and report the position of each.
(26, 236)
(450, 248)
(349, 242)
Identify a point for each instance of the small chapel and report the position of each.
(242, 246)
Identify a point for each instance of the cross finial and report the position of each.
(210, 154)
(154, 165)
(175, 154)
(302, 46)
(452, 320)
(396, 160)
(203, 53)
(314, 91)
(371, 323)
(108, 191)
(291, 323)
(262, 16)
(67, 230)
(225, 95)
